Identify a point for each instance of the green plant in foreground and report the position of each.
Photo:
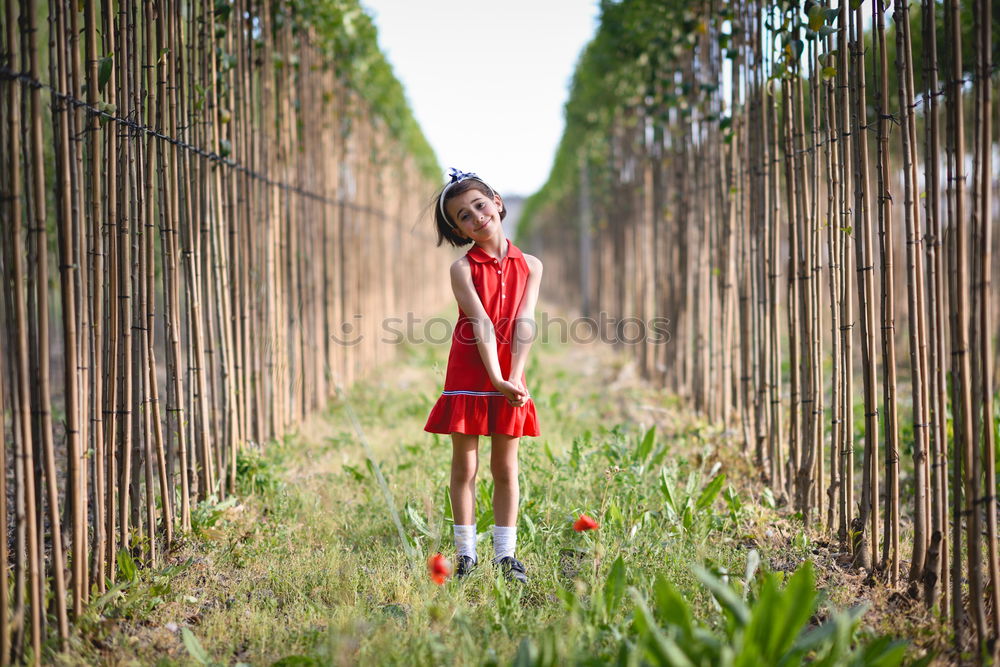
(771, 625)
(690, 507)
(765, 623)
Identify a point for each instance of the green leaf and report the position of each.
(225, 147)
(104, 67)
(687, 517)
(829, 73)
(832, 15)
(795, 605)
(733, 502)
(111, 592)
(614, 514)
(194, 647)
(665, 488)
(709, 493)
(107, 110)
(670, 605)
(646, 446)
(826, 31)
(417, 521)
(667, 651)
(726, 596)
(575, 454)
(527, 654)
(548, 453)
(355, 472)
(883, 652)
(223, 9)
(530, 530)
(614, 587)
(126, 566)
(815, 638)
(485, 520)
(769, 612)
(661, 647)
(817, 17)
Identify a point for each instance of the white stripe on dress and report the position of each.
(455, 392)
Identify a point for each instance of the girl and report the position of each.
(496, 286)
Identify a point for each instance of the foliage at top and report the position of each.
(632, 62)
(348, 38)
(661, 59)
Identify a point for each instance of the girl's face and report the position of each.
(476, 216)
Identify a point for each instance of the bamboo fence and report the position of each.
(751, 171)
(203, 223)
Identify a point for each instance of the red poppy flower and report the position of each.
(439, 568)
(584, 523)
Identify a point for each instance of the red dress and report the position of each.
(470, 403)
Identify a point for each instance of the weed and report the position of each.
(207, 514)
(256, 473)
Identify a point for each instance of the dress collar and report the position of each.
(479, 255)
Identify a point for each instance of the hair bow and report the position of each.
(456, 175)
(459, 175)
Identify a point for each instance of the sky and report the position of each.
(487, 79)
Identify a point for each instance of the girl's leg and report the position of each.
(503, 465)
(464, 464)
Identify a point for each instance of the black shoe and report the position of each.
(512, 569)
(464, 566)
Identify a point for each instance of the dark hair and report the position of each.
(445, 228)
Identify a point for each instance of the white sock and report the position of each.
(465, 541)
(504, 541)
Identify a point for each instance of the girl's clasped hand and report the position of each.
(514, 392)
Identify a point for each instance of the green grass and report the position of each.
(308, 568)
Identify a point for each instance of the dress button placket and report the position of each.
(500, 273)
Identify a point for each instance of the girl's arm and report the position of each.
(524, 325)
(482, 326)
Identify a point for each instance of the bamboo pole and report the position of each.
(984, 219)
(834, 241)
(890, 533)
(936, 569)
(28, 572)
(964, 468)
(26, 545)
(44, 410)
(111, 389)
(915, 295)
(96, 268)
(867, 519)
